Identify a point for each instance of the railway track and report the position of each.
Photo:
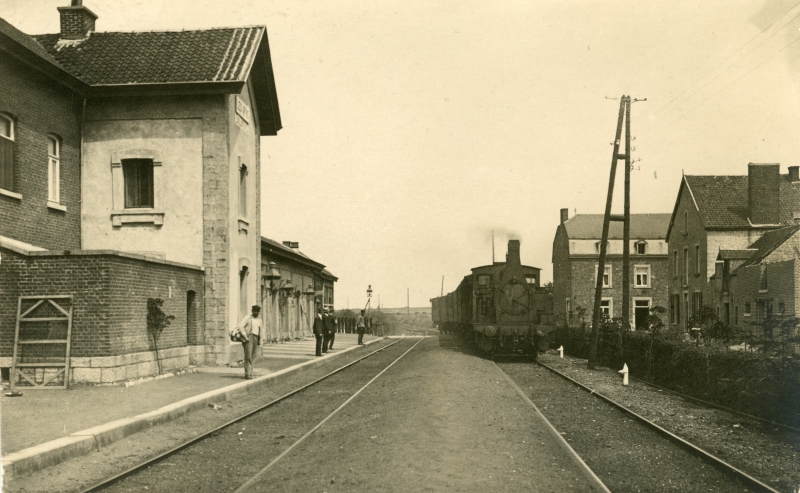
(115, 481)
(554, 403)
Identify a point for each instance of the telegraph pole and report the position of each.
(624, 113)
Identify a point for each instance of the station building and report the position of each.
(576, 254)
(293, 288)
(129, 170)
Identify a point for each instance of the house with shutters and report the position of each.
(576, 254)
(129, 170)
(716, 231)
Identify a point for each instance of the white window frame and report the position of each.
(633, 313)
(636, 283)
(610, 301)
(610, 279)
(53, 170)
(644, 247)
(120, 215)
(11, 137)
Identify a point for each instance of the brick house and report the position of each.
(752, 284)
(576, 253)
(126, 181)
(716, 217)
(293, 287)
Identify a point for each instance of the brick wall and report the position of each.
(110, 293)
(687, 233)
(746, 287)
(41, 107)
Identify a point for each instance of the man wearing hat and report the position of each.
(330, 330)
(250, 328)
(319, 329)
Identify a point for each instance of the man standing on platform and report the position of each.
(250, 328)
(330, 330)
(361, 328)
(319, 329)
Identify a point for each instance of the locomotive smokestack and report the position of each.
(513, 253)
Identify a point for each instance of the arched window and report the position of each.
(6, 152)
(53, 169)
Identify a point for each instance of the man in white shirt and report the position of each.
(250, 327)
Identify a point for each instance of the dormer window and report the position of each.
(597, 246)
(641, 247)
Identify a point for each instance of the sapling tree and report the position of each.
(157, 321)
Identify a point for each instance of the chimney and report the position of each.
(564, 215)
(794, 174)
(76, 21)
(512, 258)
(764, 193)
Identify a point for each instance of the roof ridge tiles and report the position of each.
(217, 28)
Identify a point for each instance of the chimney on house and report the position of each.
(76, 21)
(794, 174)
(764, 193)
(512, 257)
(564, 215)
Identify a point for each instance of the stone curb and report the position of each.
(83, 442)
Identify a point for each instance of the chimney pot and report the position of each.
(764, 193)
(564, 215)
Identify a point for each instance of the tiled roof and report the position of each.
(24, 40)
(735, 254)
(157, 57)
(723, 200)
(590, 226)
(769, 241)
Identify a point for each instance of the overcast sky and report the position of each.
(412, 129)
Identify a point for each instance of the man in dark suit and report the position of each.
(330, 330)
(319, 330)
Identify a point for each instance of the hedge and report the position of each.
(754, 383)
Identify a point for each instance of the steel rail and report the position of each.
(675, 438)
(253, 479)
(154, 460)
(711, 404)
(585, 469)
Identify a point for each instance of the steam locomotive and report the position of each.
(501, 308)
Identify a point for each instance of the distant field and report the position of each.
(426, 310)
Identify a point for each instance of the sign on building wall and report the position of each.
(242, 117)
